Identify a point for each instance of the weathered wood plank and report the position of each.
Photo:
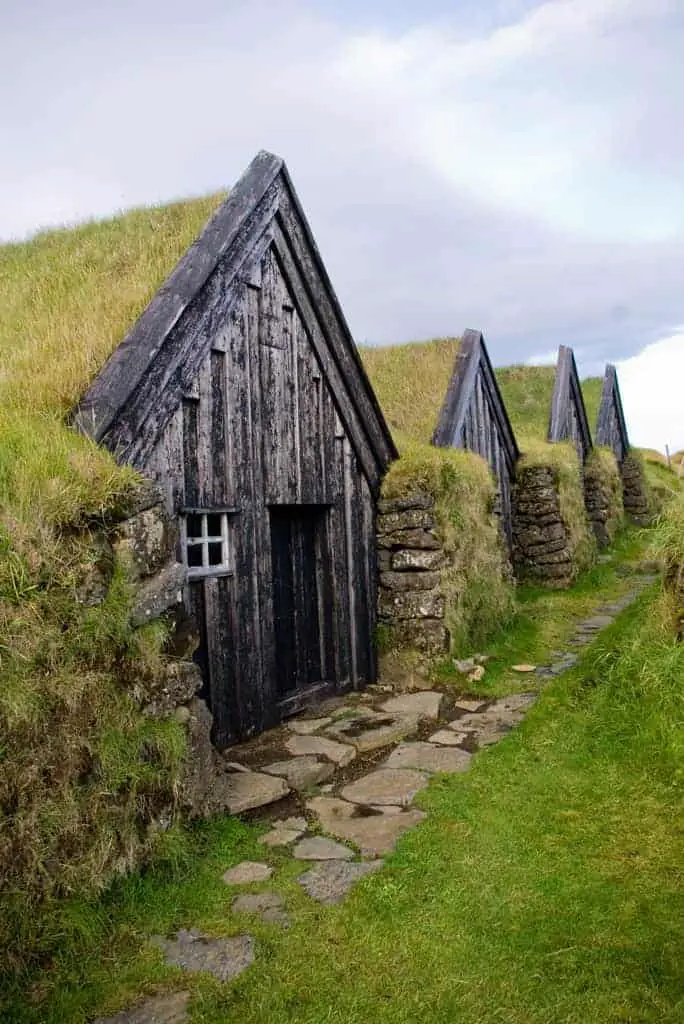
(611, 428)
(334, 325)
(568, 420)
(473, 416)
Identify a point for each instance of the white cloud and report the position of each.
(532, 116)
(652, 387)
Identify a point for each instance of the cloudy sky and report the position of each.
(508, 165)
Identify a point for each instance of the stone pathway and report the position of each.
(378, 753)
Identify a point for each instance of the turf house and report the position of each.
(240, 393)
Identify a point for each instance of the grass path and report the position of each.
(544, 886)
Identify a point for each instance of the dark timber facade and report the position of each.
(473, 416)
(240, 391)
(611, 429)
(568, 421)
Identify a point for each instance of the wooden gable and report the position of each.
(473, 416)
(611, 429)
(241, 393)
(568, 421)
(259, 239)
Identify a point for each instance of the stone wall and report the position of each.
(411, 563)
(635, 491)
(145, 543)
(603, 496)
(542, 549)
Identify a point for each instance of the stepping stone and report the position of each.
(386, 786)
(373, 834)
(297, 824)
(465, 666)
(305, 726)
(523, 668)
(340, 753)
(476, 675)
(447, 738)
(268, 906)
(167, 1009)
(598, 622)
(429, 758)
(371, 730)
(331, 881)
(513, 702)
(470, 705)
(425, 704)
(193, 951)
(243, 791)
(285, 831)
(247, 871)
(280, 837)
(319, 848)
(301, 772)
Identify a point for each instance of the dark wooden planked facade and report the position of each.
(568, 421)
(473, 416)
(241, 392)
(611, 429)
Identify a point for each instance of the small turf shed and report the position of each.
(241, 392)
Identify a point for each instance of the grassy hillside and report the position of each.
(411, 381)
(67, 298)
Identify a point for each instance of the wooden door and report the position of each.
(300, 585)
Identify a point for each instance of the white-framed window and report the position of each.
(205, 536)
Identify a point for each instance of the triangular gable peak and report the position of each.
(156, 366)
(473, 416)
(611, 430)
(568, 420)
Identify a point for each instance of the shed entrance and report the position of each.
(301, 600)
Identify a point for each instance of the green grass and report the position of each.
(545, 620)
(544, 887)
(477, 587)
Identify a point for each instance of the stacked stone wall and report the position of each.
(145, 543)
(542, 549)
(635, 491)
(411, 563)
(604, 506)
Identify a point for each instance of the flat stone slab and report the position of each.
(193, 952)
(247, 871)
(280, 837)
(301, 772)
(447, 738)
(167, 1009)
(597, 622)
(331, 881)
(243, 791)
(306, 726)
(470, 705)
(391, 785)
(428, 757)
(373, 834)
(523, 668)
(267, 905)
(372, 729)
(319, 848)
(340, 754)
(425, 704)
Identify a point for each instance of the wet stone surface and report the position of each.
(429, 757)
(268, 906)
(318, 848)
(193, 951)
(247, 871)
(386, 786)
(171, 1008)
(330, 881)
(373, 830)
